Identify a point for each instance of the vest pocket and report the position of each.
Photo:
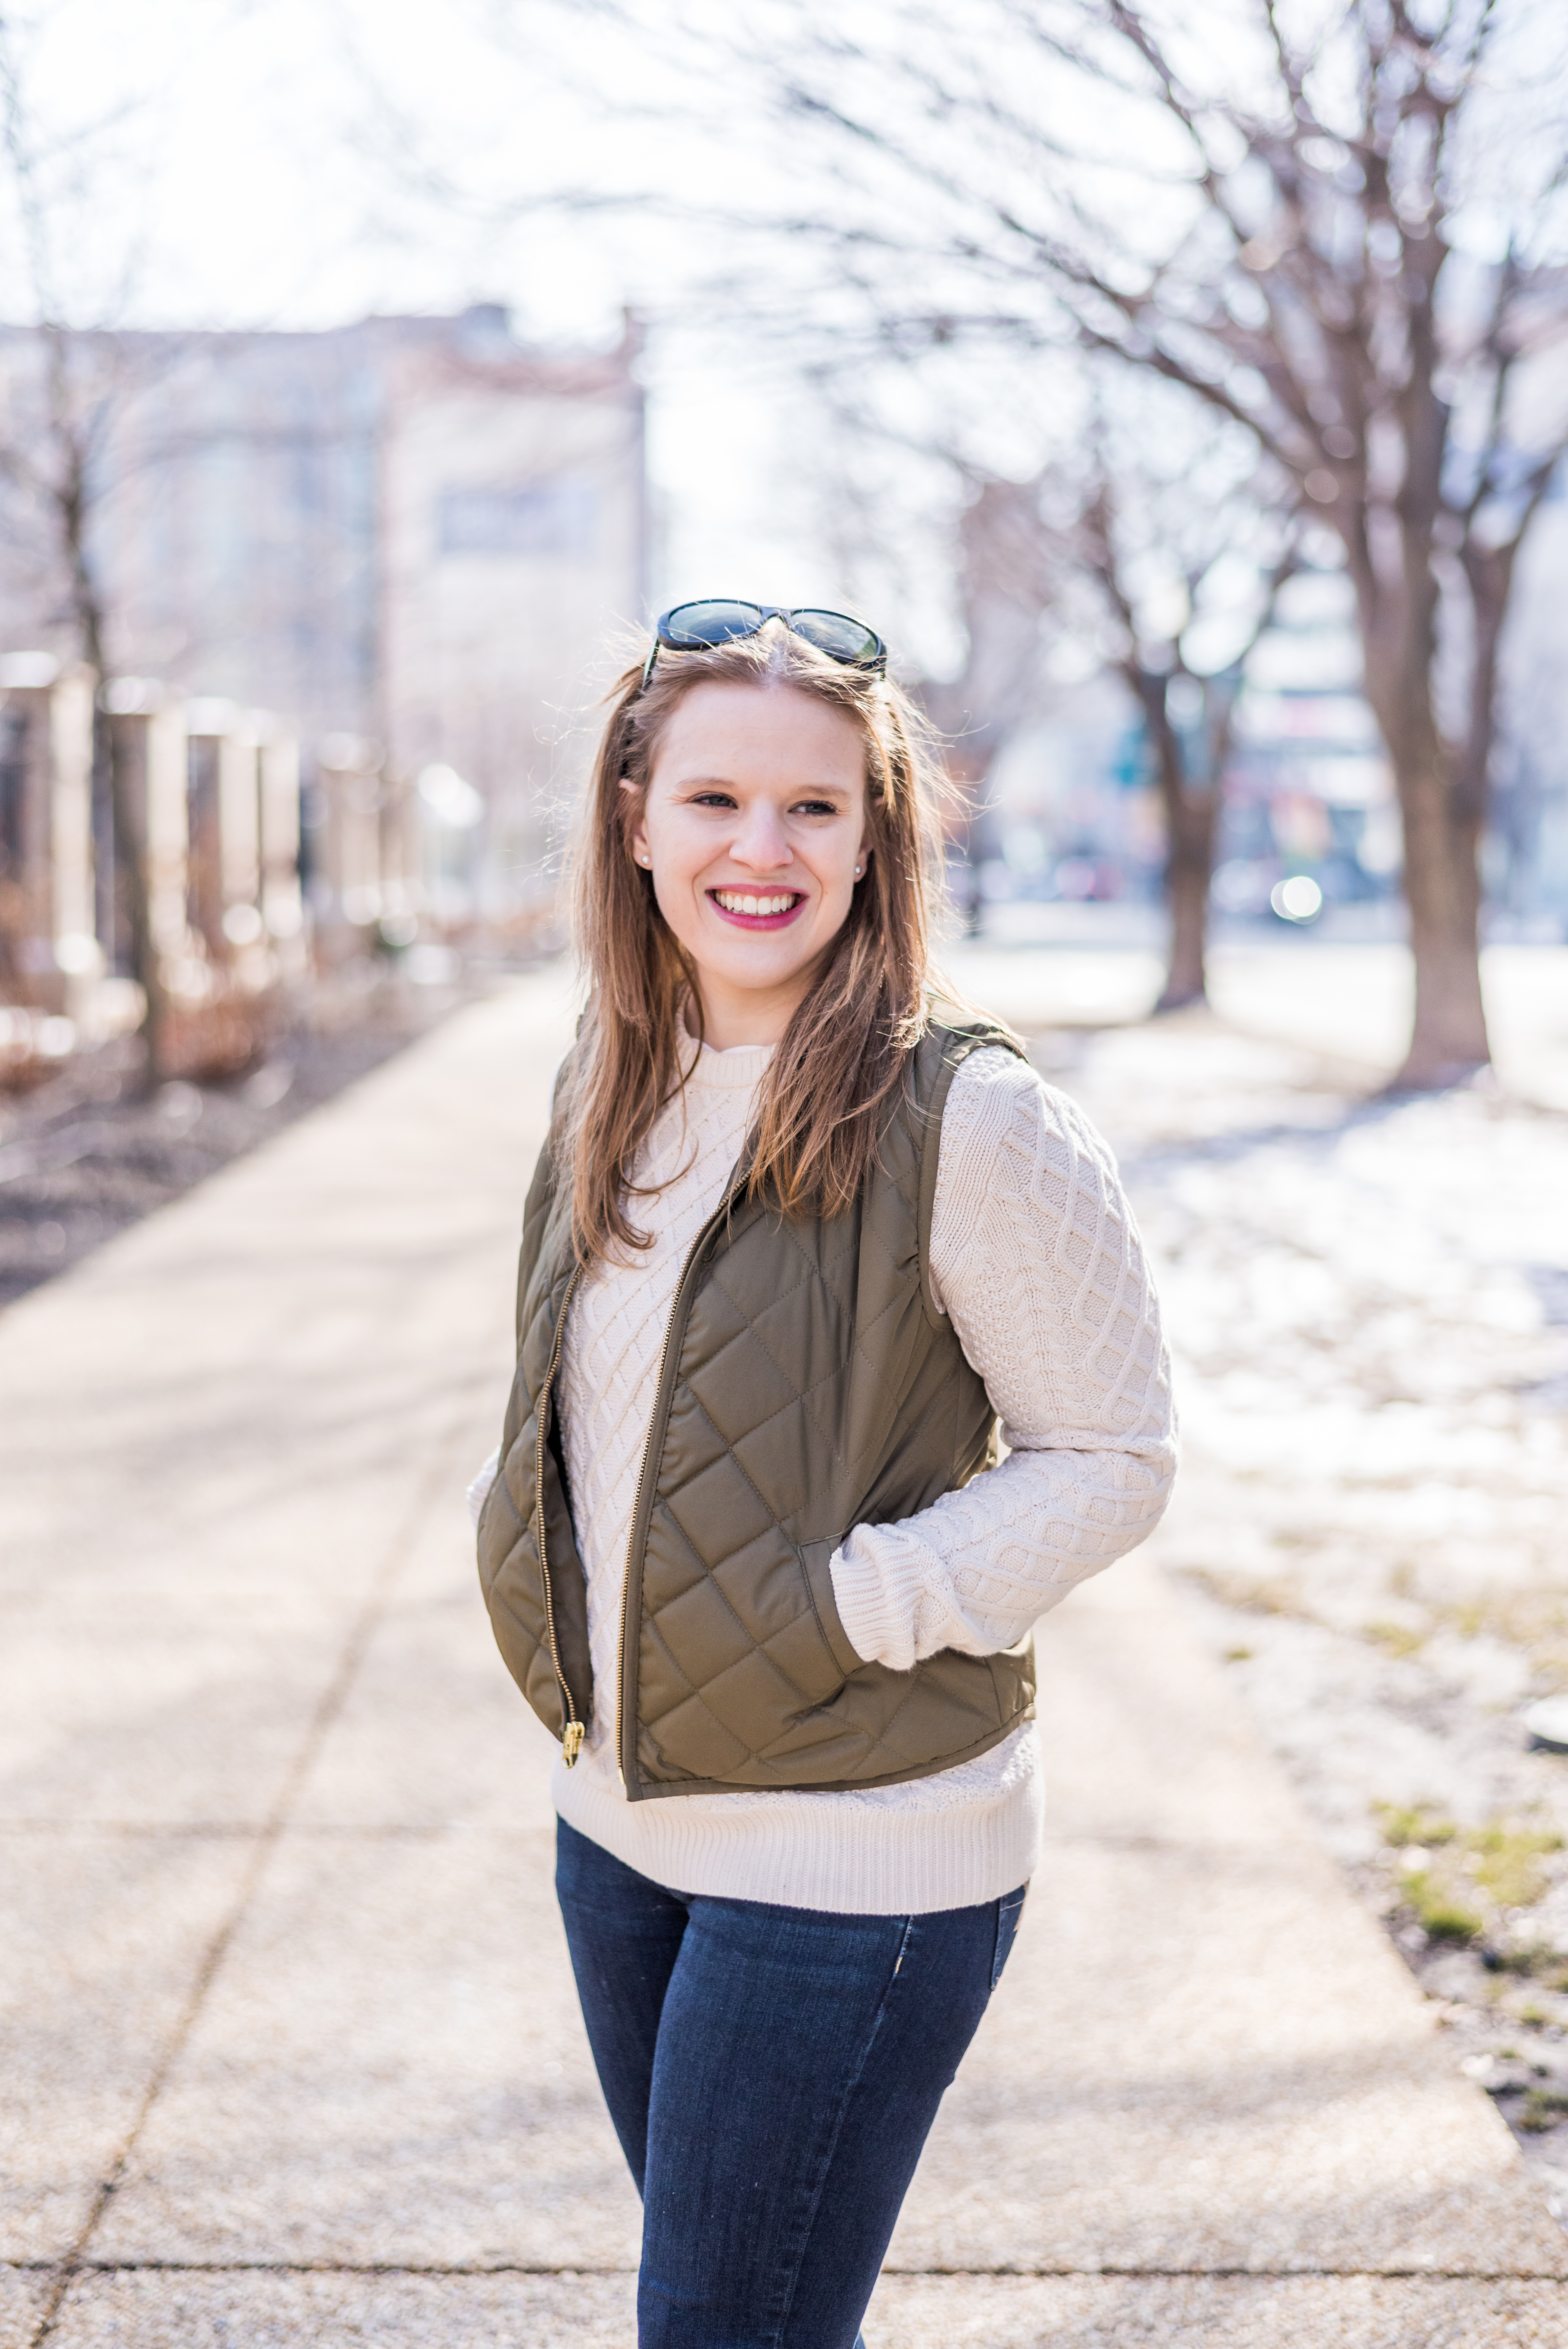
(815, 1560)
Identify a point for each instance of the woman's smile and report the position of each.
(758, 909)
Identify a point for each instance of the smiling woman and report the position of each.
(802, 1232)
(758, 767)
(753, 823)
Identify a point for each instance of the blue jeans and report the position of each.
(772, 2074)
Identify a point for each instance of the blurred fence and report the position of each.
(240, 904)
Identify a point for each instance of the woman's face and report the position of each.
(754, 828)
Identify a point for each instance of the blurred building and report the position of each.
(1526, 856)
(1309, 789)
(1071, 811)
(1076, 815)
(409, 536)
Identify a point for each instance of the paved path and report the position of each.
(290, 2052)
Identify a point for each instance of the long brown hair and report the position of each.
(840, 1060)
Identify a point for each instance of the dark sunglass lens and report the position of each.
(709, 623)
(837, 635)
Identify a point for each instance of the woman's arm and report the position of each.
(478, 1491)
(1034, 1256)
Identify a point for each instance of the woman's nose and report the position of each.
(760, 841)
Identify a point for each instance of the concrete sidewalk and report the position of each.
(291, 2049)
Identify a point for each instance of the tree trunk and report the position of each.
(1442, 889)
(71, 514)
(1189, 830)
(1442, 807)
(14, 988)
(1442, 803)
(1187, 892)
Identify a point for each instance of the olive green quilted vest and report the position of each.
(808, 1385)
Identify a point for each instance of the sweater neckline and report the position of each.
(739, 1068)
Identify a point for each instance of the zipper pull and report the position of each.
(572, 1743)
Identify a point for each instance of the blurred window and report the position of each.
(528, 518)
(13, 791)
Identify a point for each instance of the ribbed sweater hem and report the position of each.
(849, 1855)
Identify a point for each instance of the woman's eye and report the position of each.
(815, 807)
(713, 799)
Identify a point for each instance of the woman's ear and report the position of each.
(641, 853)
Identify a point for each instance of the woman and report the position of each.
(801, 1233)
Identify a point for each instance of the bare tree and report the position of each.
(1004, 591)
(1140, 571)
(52, 448)
(1318, 202)
(1123, 533)
(1274, 203)
(1151, 546)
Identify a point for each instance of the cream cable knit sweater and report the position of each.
(1034, 1256)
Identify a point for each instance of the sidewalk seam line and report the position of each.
(267, 1836)
(438, 2269)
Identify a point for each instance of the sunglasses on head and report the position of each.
(697, 628)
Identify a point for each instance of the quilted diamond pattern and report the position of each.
(811, 1391)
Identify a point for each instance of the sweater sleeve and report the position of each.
(478, 1490)
(1036, 1257)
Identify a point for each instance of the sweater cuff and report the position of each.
(478, 1491)
(874, 1624)
(820, 1560)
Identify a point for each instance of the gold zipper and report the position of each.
(637, 1538)
(573, 1736)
